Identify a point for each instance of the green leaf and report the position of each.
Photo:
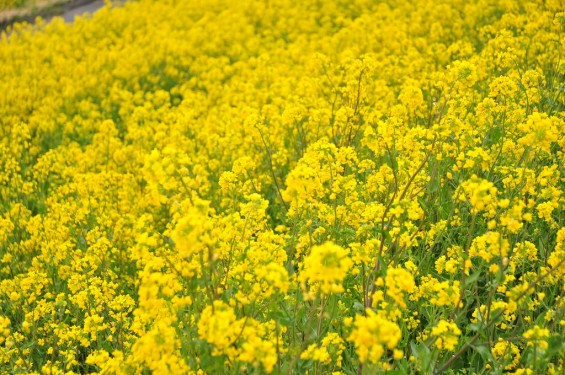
(484, 351)
(473, 278)
(384, 233)
(474, 326)
(422, 354)
(555, 344)
(358, 307)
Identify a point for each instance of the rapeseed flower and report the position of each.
(221, 186)
(325, 268)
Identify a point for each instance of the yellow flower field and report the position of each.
(268, 186)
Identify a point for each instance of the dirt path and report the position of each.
(69, 16)
(49, 9)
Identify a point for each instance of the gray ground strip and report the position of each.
(70, 15)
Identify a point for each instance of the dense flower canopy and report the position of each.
(245, 186)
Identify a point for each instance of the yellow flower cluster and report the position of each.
(242, 186)
(238, 339)
(506, 352)
(537, 336)
(325, 268)
(446, 335)
(373, 335)
(5, 329)
(330, 350)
